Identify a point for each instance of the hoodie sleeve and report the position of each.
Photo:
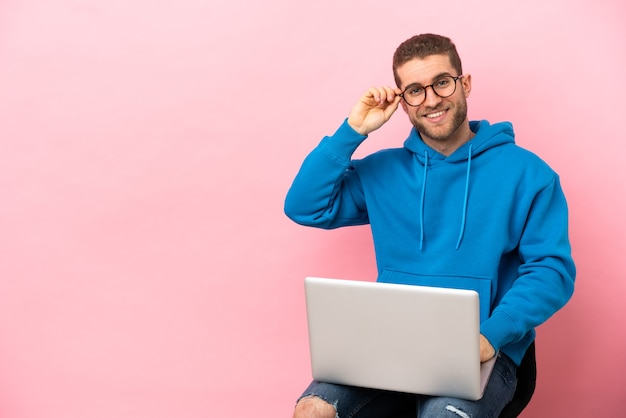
(326, 192)
(546, 274)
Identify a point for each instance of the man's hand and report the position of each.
(374, 109)
(486, 349)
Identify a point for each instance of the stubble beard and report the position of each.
(441, 134)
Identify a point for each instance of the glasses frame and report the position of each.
(432, 88)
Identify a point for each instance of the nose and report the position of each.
(431, 99)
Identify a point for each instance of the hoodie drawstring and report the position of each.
(422, 200)
(465, 199)
(467, 178)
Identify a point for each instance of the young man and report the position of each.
(459, 205)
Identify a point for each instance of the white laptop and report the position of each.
(397, 337)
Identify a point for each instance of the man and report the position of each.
(459, 204)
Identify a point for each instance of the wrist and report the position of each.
(357, 127)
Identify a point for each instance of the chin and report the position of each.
(438, 134)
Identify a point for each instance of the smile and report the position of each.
(435, 115)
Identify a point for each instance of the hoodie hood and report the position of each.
(487, 136)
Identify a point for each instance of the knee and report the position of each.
(314, 407)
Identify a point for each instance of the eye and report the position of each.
(443, 82)
(415, 90)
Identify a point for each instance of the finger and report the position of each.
(392, 107)
(382, 95)
(390, 94)
(377, 94)
(387, 94)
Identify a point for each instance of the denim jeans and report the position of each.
(354, 402)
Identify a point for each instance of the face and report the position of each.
(440, 121)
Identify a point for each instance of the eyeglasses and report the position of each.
(414, 95)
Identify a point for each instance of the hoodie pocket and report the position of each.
(481, 285)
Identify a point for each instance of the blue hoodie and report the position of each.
(491, 217)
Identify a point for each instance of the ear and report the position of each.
(466, 81)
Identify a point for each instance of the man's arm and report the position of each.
(326, 193)
(546, 275)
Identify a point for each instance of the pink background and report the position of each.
(146, 267)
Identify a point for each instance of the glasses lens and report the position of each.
(414, 95)
(445, 86)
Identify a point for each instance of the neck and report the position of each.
(447, 146)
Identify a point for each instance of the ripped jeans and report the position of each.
(354, 402)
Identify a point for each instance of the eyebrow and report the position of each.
(445, 73)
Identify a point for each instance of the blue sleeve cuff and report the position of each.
(500, 329)
(342, 144)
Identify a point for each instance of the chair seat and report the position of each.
(526, 381)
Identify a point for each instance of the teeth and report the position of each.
(435, 115)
